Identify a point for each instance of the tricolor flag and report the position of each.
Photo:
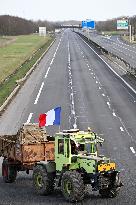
(52, 117)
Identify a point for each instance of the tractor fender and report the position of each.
(50, 167)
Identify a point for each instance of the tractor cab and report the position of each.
(73, 144)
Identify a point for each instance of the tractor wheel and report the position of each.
(113, 190)
(72, 186)
(9, 172)
(42, 182)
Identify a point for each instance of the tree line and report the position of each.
(111, 25)
(12, 25)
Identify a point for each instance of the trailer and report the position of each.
(23, 150)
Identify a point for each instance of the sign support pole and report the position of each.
(130, 33)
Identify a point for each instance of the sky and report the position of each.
(60, 10)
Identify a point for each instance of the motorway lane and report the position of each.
(90, 95)
(110, 110)
(116, 46)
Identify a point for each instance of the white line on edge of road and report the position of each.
(121, 128)
(29, 118)
(132, 149)
(39, 93)
(110, 68)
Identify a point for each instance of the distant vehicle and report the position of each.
(57, 31)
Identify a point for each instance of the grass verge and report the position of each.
(7, 86)
(127, 38)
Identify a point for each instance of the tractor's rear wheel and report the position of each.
(43, 182)
(72, 186)
(9, 171)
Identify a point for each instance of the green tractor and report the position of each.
(77, 163)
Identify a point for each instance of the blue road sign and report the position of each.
(84, 24)
(90, 24)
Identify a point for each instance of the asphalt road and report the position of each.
(73, 76)
(115, 45)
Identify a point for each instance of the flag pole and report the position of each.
(59, 128)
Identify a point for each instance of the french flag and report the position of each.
(52, 117)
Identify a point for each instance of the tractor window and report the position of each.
(88, 147)
(73, 147)
(61, 146)
(67, 143)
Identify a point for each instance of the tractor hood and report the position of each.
(93, 164)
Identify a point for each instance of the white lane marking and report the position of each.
(121, 128)
(51, 61)
(108, 104)
(72, 92)
(132, 149)
(103, 94)
(47, 72)
(100, 88)
(114, 114)
(29, 118)
(110, 67)
(38, 95)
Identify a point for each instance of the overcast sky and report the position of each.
(55, 10)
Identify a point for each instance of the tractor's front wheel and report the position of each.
(72, 186)
(43, 183)
(113, 190)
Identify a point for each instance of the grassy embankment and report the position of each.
(15, 59)
(110, 33)
(127, 38)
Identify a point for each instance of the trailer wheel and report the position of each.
(9, 172)
(43, 182)
(72, 186)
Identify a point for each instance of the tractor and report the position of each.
(76, 164)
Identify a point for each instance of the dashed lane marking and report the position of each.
(39, 93)
(114, 114)
(121, 128)
(132, 150)
(29, 118)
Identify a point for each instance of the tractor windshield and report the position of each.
(88, 148)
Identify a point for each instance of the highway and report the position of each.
(116, 46)
(74, 75)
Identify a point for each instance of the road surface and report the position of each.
(116, 46)
(73, 76)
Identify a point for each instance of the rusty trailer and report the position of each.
(23, 150)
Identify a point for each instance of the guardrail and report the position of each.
(130, 69)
